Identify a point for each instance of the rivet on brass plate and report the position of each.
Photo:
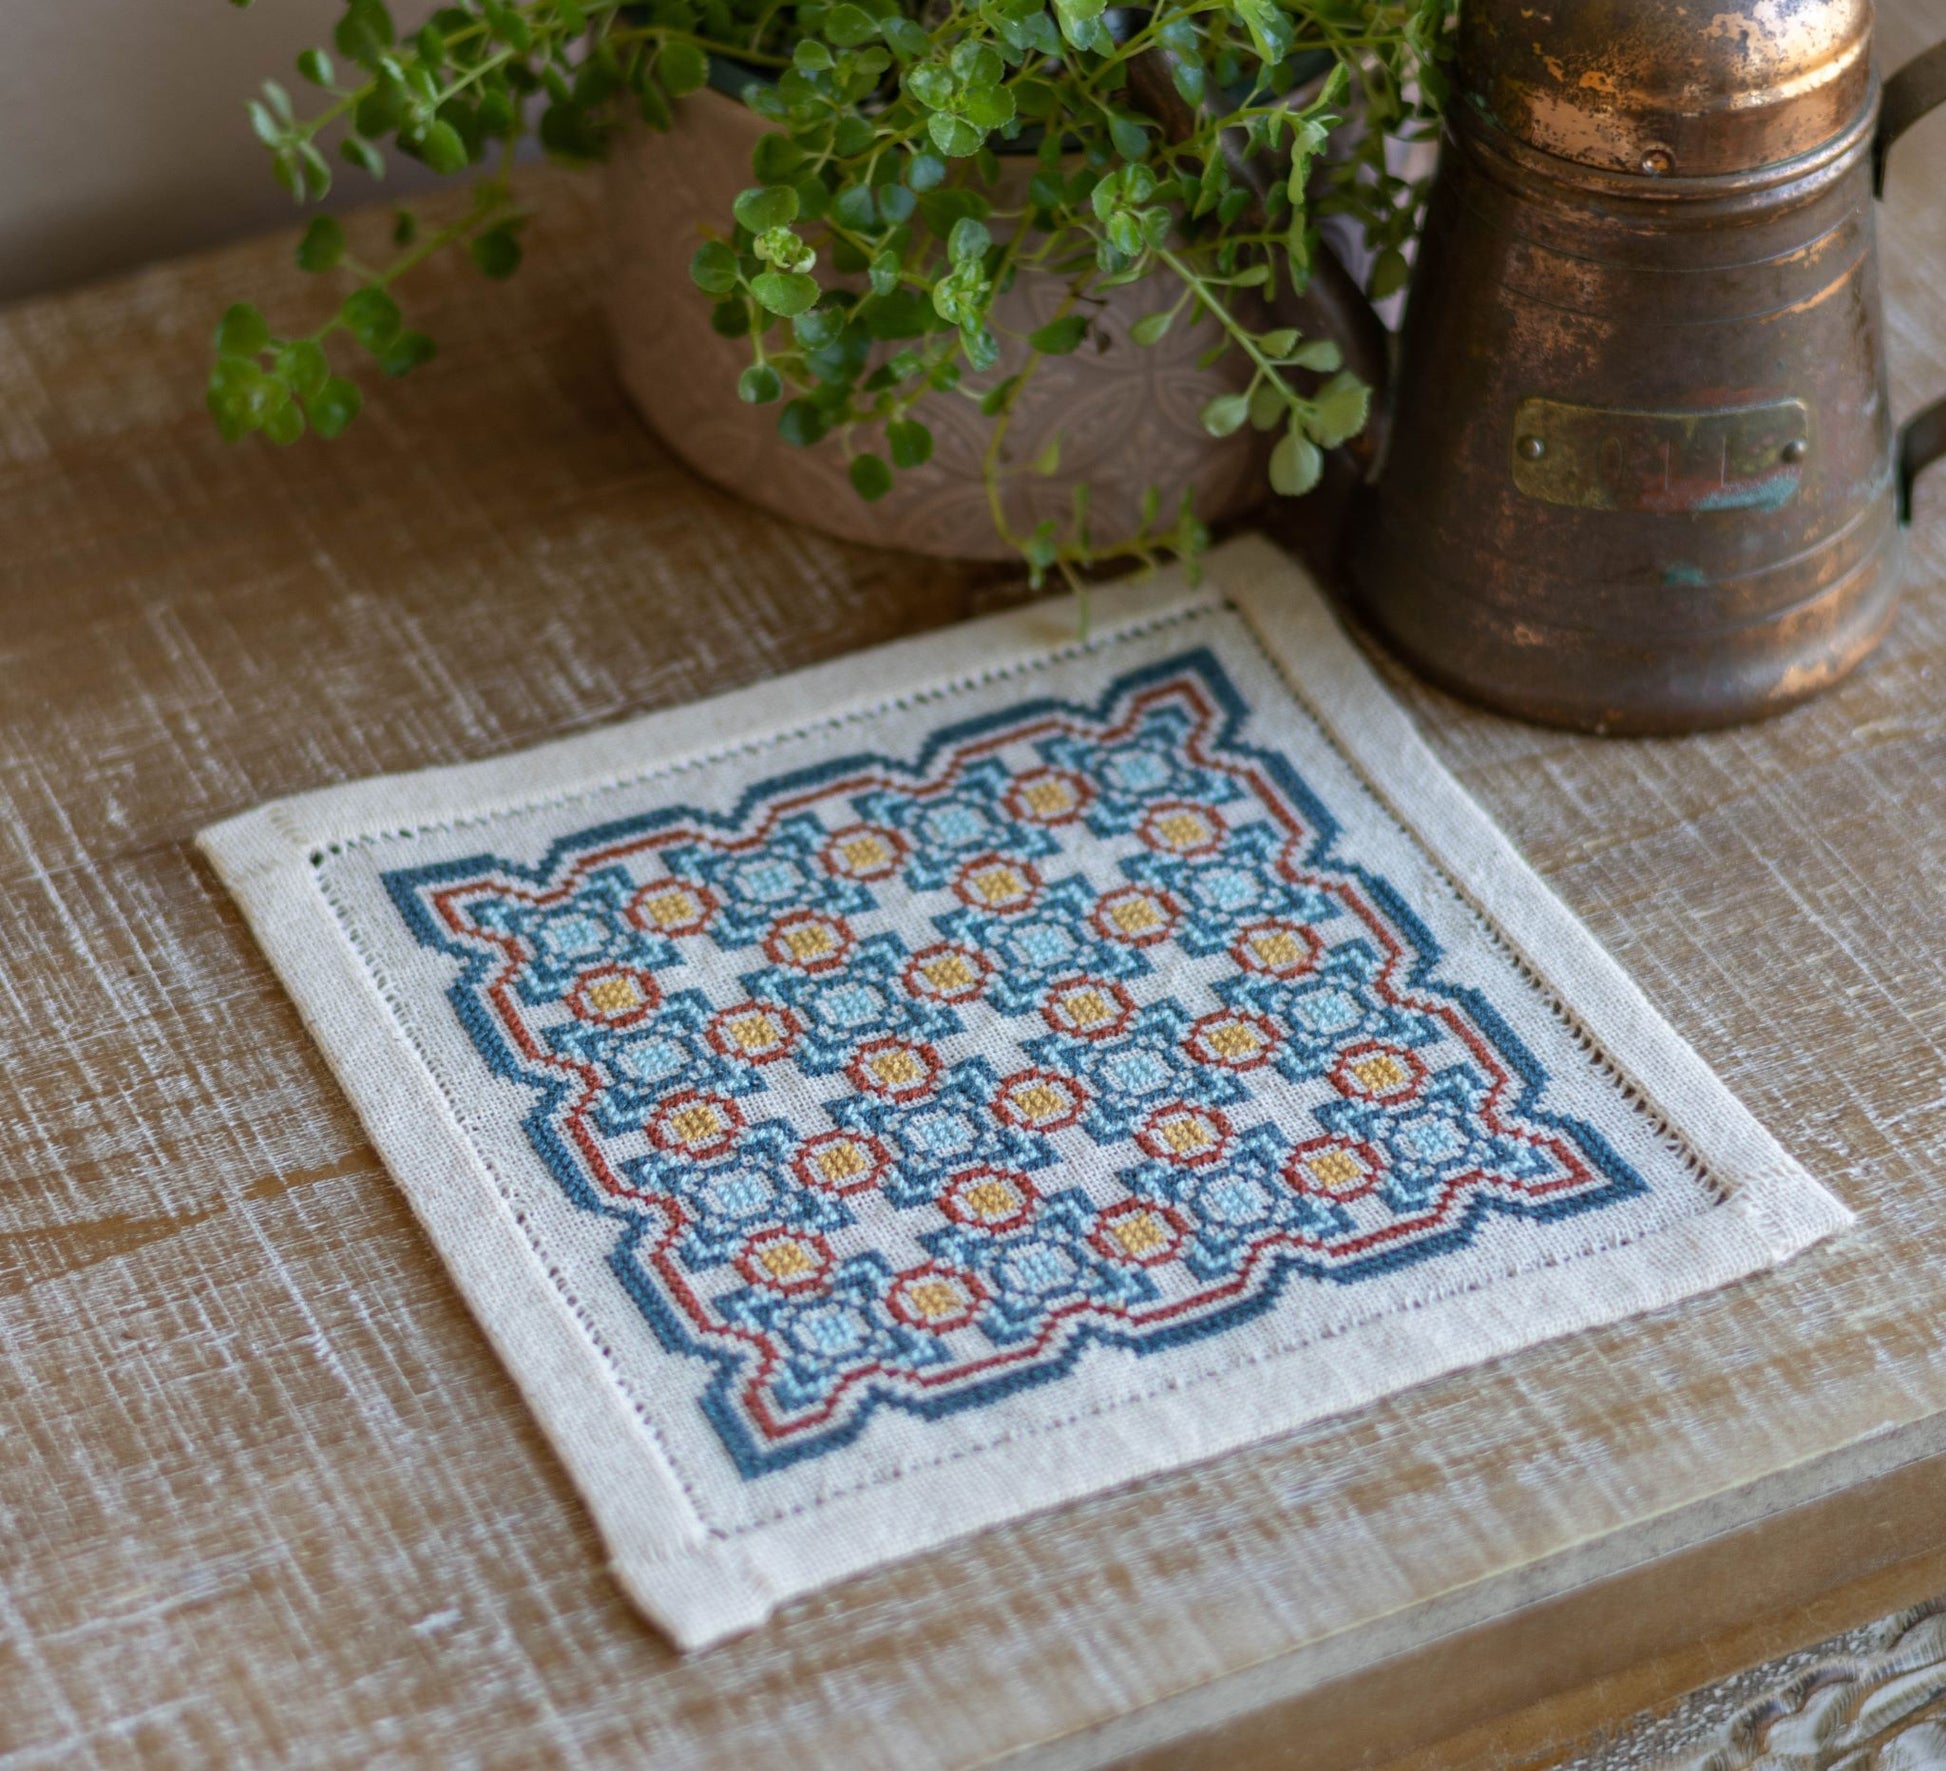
(1658, 162)
(1734, 458)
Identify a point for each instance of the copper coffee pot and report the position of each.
(1635, 469)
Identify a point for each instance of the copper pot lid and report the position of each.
(1693, 90)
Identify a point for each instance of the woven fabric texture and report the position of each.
(976, 1074)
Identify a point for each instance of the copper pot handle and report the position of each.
(1913, 92)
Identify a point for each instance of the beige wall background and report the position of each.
(123, 136)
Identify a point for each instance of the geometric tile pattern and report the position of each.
(912, 1079)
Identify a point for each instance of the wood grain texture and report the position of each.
(264, 1494)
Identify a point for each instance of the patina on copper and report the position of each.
(1640, 472)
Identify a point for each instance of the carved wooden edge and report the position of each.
(1881, 1711)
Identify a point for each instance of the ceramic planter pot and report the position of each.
(1127, 416)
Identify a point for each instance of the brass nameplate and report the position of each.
(1661, 463)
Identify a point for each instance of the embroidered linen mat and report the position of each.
(978, 1073)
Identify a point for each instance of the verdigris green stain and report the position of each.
(1683, 576)
(1771, 493)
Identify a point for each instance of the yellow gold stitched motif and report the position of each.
(615, 995)
(991, 1198)
(1275, 949)
(897, 1068)
(755, 1032)
(673, 908)
(841, 1162)
(865, 854)
(949, 972)
(1337, 1170)
(999, 885)
(934, 1298)
(1140, 1232)
(1186, 1135)
(1234, 1040)
(697, 1123)
(809, 940)
(1380, 1073)
(786, 1260)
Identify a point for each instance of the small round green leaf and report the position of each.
(1341, 409)
(854, 208)
(236, 397)
(759, 384)
(286, 424)
(442, 148)
(801, 424)
(1058, 337)
(847, 25)
(355, 150)
(654, 108)
(1390, 274)
(364, 33)
(370, 316)
(1130, 138)
(775, 158)
(241, 332)
(763, 207)
(910, 442)
(406, 352)
(817, 328)
(906, 38)
(785, 292)
(322, 246)
(1151, 327)
(304, 367)
(714, 268)
(682, 67)
(968, 240)
(1296, 464)
(953, 136)
(266, 127)
(314, 173)
(333, 406)
(497, 251)
(870, 477)
(315, 66)
(1226, 414)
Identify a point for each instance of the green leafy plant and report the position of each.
(863, 264)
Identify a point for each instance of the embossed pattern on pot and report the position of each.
(1127, 416)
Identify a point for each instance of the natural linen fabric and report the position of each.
(987, 1070)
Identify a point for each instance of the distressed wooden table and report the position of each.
(265, 1495)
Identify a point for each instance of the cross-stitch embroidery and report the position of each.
(914, 1078)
